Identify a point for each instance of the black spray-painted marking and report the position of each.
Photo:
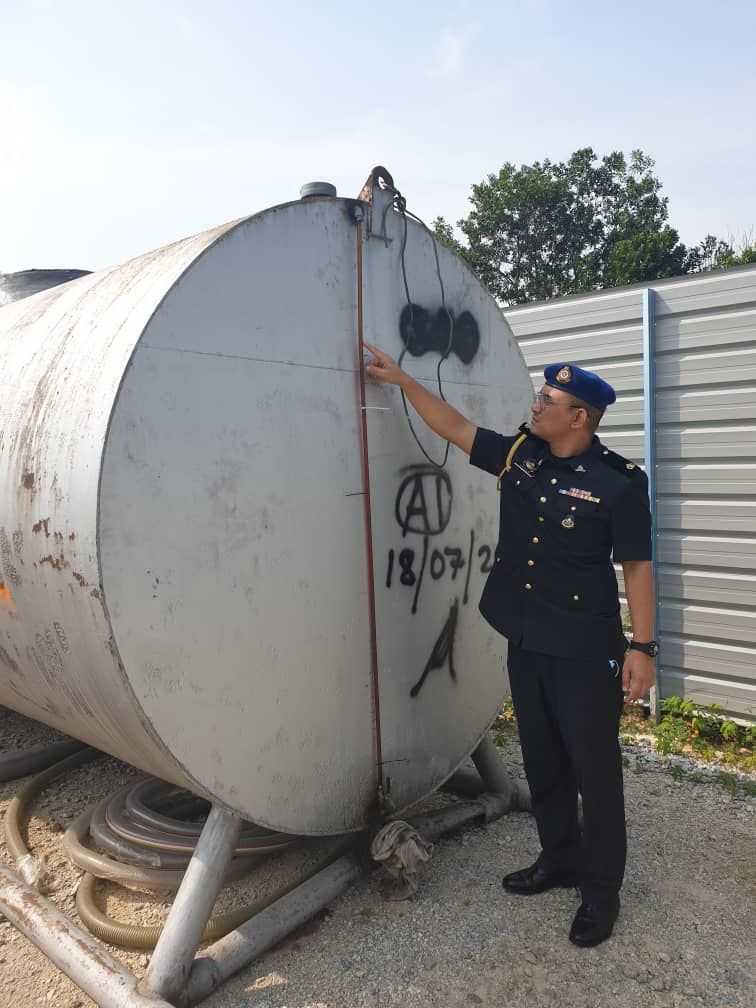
(447, 562)
(465, 597)
(420, 576)
(424, 500)
(443, 650)
(422, 332)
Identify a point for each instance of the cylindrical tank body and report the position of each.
(183, 531)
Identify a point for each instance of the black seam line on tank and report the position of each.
(257, 360)
(289, 363)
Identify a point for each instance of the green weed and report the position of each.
(686, 727)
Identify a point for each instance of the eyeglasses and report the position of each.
(545, 400)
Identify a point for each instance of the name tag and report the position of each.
(581, 495)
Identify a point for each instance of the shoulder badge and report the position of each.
(619, 463)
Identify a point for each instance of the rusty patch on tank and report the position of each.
(71, 537)
(42, 526)
(27, 481)
(57, 563)
(80, 578)
(95, 594)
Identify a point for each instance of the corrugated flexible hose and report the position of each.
(129, 935)
(134, 936)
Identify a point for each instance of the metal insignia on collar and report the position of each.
(564, 375)
(568, 522)
(580, 468)
(630, 465)
(530, 464)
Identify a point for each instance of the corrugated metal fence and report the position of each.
(705, 435)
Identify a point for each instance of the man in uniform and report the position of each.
(567, 505)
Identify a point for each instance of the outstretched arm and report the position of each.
(442, 418)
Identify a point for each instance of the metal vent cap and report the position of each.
(310, 189)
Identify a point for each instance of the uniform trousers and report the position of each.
(568, 714)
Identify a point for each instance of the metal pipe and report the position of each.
(491, 776)
(434, 824)
(39, 757)
(465, 781)
(221, 960)
(171, 961)
(77, 954)
(649, 450)
(239, 948)
(491, 769)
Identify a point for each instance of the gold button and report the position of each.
(531, 563)
(535, 538)
(540, 518)
(517, 482)
(576, 598)
(573, 508)
(553, 482)
(528, 586)
(606, 451)
(543, 500)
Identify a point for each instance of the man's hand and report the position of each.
(638, 674)
(384, 368)
(439, 415)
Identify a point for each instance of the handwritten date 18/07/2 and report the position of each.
(405, 568)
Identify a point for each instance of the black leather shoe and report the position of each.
(529, 881)
(593, 923)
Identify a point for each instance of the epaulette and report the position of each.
(619, 463)
(523, 435)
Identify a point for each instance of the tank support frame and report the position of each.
(176, 976)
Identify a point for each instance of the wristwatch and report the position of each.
(651, 648)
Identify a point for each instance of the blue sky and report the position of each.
(128, 125)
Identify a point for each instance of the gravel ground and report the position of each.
(685, 936)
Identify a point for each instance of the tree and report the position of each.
(713, 253)
(548, 229)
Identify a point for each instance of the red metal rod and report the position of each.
(368, 526)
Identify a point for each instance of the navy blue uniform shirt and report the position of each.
(553, 588)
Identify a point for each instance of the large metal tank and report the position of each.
(184, 537)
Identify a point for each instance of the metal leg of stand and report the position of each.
(496, 779)
(80, 956)
(490, 768)
(172, 959)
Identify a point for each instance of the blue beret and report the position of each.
(582, 384)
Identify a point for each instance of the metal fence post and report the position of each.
(648, 297)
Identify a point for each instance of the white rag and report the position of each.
(401, 850)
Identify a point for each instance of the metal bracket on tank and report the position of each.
(378, 199)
